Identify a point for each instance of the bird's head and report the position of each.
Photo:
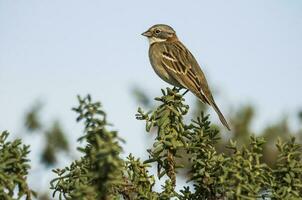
(160, 33)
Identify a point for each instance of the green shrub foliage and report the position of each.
(102, 173)
(14, 169)
(287, 177)
(99, 172)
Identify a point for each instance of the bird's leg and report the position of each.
(176, 89)
(185, 92)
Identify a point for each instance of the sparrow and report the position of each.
(176, 65)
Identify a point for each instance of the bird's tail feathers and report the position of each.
(220, 115)
(212, 103)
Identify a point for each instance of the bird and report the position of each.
(176, 65)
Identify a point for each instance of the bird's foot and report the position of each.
(185, 92)
(176, 89)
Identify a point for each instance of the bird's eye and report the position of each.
(157, 31)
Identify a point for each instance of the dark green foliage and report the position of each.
(206, 162)
(300, 116)
(171, 134)
(13, 169)
(241, 124)
(241, 174)
(48, 156)
(57, 137)
(55, 143)
(102, 174)
(44, 197)
(140, 183)
(141, 97)
(32, 122)
(244, 176)
(99, 173)
(288, 172)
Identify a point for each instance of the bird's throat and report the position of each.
(153, 40)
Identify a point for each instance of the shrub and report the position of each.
(102, 173)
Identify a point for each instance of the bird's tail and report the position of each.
(212, 103)
(220, 115)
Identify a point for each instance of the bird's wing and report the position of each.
(183, 67)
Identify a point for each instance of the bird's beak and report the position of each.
(147, 34)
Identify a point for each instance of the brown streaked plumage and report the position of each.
(175, 64)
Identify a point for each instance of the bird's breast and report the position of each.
(156, 62)
(155, 56)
